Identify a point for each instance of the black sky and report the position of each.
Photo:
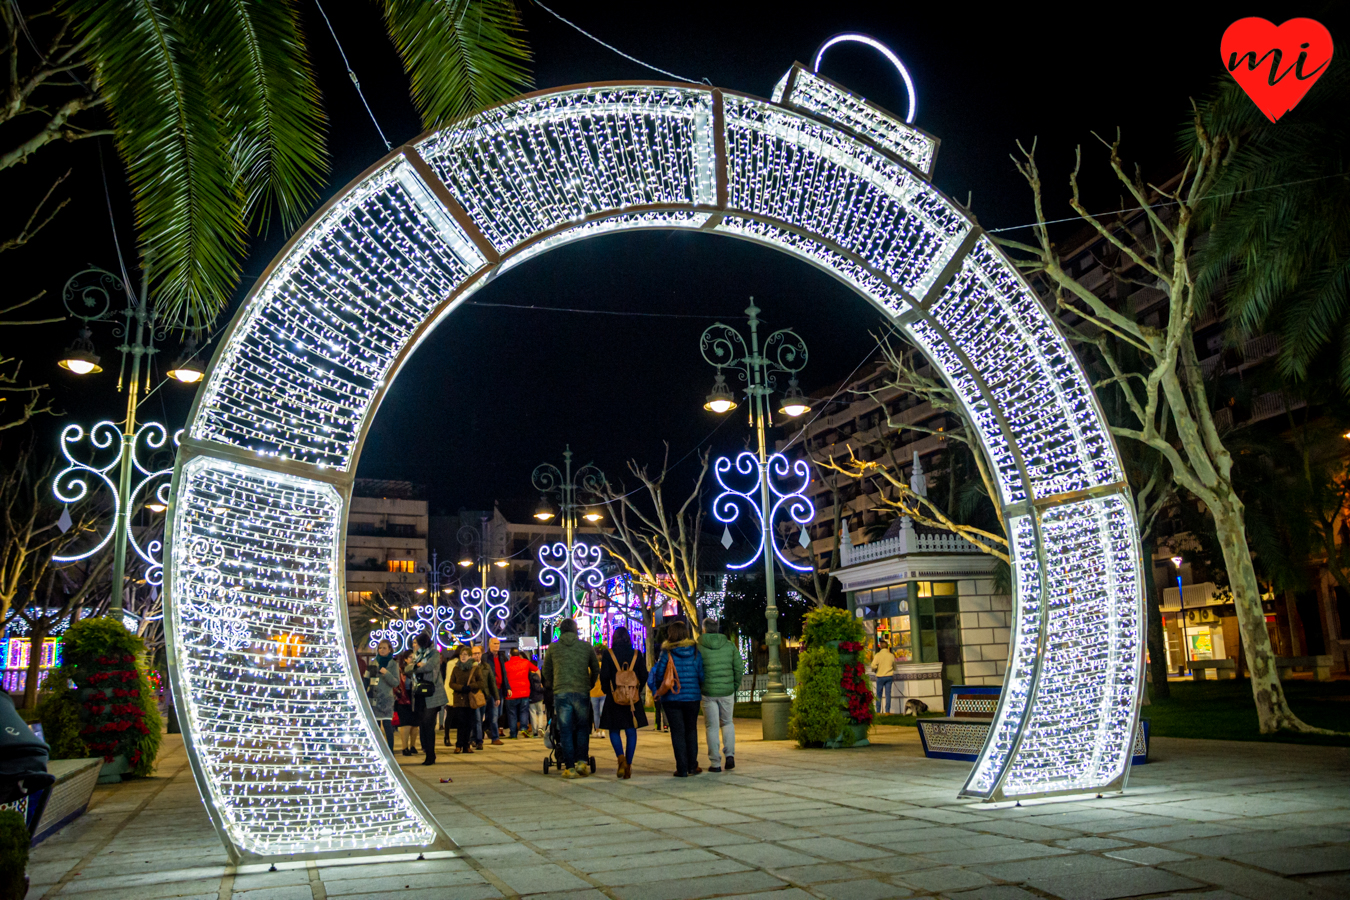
(496, 390)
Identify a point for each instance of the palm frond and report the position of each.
(460, 55)
(169, 130)
(272, 106)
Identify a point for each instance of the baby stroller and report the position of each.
(554, 759)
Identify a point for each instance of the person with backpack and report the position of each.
(677, 678)
(722, 671)
(623, 671)
(538, 715)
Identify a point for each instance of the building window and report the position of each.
(403, 565)
(356, 598)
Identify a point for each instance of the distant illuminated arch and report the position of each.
(288, 758)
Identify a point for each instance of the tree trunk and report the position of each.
(1272, 706)
(30, 684)
(1157, 639)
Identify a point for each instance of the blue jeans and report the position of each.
(597, 707)
(490, 715)
(630, 736)
(518, 714)
(574, 727)
(884, 690)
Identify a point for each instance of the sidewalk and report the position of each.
(1212, 819)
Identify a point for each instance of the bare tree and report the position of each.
(656, 545)
(1165, 393)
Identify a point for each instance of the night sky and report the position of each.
(496, 390)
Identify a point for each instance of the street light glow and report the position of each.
(81, 363)
(592, 515)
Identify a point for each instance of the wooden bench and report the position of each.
(1321, 665)
(1224, 669)
(962, 734)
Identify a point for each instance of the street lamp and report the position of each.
(484, 602)
(88, 296)
(572, 567)
(784, 353)
(1181, 616)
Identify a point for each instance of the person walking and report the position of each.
(428, 690)
(538, 715)
(569, 671)
(883, 666)
(403, 705)
(597, 705)
(518, 670)
(381, 681)
(658, 638)
(623, 672)
(495, 662)
(466, 682)
(722, 671)
(680, 697)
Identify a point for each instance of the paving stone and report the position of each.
(1147, 856)
(334, 872)
(867, 889)
(944, 879)
(970, 856)
(1052, 867)
(892, 865)
(687, 856)
(394, 883)
(538, 879)
(1108, 885)
(789, 894)
(1091, 843)
(817, 873)
(617, 877)
(282, 878)
(689, 888)
(292, 892)
(706, 836)
(835, 849)
(995, 892)
(1247, 882)
(1303, 860)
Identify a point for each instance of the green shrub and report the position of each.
(818, 708)
(14, 840)
(58, 710)
(830, 624)
(117, 708)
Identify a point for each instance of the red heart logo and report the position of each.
(1276, 64)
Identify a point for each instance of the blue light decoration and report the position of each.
(437, 621)
(478, 609)
(785, 502)
(570, 574)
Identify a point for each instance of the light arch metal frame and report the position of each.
(288, 758)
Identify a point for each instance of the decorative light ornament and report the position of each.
(483, 610)
(266, 467)
(851, 37)
(792, 501)
(572, 574)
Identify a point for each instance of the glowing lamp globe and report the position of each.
(794, 402)
(187, 371)
(592, 515)
(543, 512)
(720, 400)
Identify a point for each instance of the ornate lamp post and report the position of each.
(483, 602)
(783, 353)
(572, 567)
(88, 296)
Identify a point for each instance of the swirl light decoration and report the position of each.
(792, 502)
(480, 609)
(571, 574)
(267, 466)
(73, 483)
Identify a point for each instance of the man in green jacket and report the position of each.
(722, 671)
(570, 670)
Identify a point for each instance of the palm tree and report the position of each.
(1278, 216)
(216, 113)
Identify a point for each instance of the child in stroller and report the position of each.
(554, 737)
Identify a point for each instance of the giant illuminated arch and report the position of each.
(284, 751)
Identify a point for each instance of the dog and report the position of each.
(914, 706)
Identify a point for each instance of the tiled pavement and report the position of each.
(1207, 820)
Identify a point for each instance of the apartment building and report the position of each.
(386, 546)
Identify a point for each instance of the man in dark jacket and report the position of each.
(570, 670)
(722, 671)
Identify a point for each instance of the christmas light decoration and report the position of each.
(572, 574)
(483, 608)
(287, 757)
(791, 501)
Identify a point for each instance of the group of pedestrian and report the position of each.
(687, 674)
(461, 690)
(466, 690)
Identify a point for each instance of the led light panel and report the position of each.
(277, 731)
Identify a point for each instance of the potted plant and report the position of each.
(833, 706)
(103, 675)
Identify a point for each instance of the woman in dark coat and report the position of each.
(614, 717)
(466, 679)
